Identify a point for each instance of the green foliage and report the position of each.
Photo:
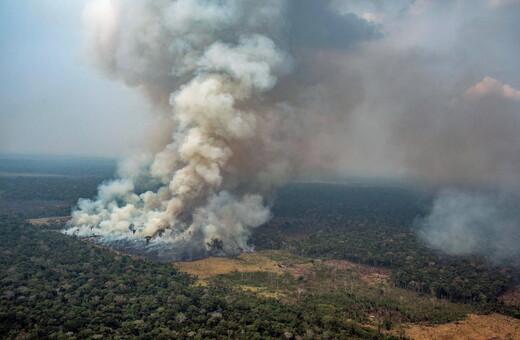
(49, 188)
(374, 226)
(57, 287)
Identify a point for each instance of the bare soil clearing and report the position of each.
(475, 327)
(369, 274)
(213, 266)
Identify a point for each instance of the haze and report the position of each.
(426, 89)
(51, 101)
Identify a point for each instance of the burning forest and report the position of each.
(247, 94)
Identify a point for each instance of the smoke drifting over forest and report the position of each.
(461, 223)
(249, 93)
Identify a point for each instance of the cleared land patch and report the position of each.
(246, 262)
(358, 292)
(369, 274)
(475, 327)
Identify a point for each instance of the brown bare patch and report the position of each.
(475, 327)
(213, 266)
(511, 297)
(368, 273)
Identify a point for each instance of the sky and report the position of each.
(426, 87)
(51, 100)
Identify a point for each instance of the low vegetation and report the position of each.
(375, 226)
(360, 293)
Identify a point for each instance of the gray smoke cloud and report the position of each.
(437, 100)
(402, 104)
(462, 223)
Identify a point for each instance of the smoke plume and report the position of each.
(463, 223)
(229, 131)
(207, 63)
(249, 92)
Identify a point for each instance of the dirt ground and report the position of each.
(212, 266)
(475, 327)
(369, 274)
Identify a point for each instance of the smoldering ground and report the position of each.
(249, 93)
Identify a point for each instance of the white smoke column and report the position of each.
(209, 66)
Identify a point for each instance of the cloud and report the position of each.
(492, 87)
